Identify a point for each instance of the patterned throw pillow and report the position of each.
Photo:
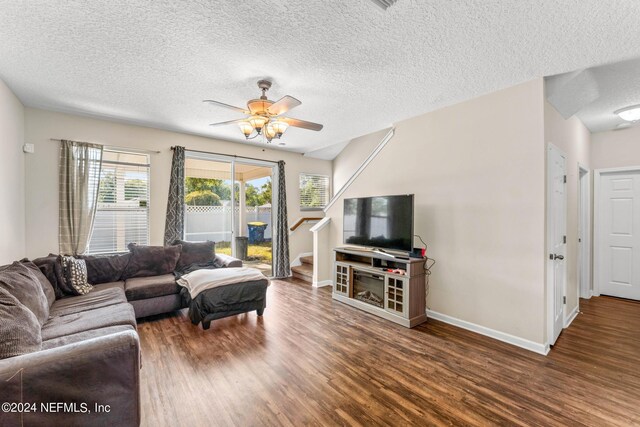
(75, 273)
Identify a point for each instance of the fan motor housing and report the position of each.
(259, 106)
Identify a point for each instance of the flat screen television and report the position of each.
(384, 222)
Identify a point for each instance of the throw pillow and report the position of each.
(20, 331)
(198, 253)
(152, 260)
(52, 269)
(75, 274)
(47, 288)
(107, 268)
(20, 282)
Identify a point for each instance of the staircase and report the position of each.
(304, 272)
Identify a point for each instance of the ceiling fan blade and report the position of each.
(222, 104)
(302, 123)
(230, 122)
(283, 105)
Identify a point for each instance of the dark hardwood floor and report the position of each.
(313, 361)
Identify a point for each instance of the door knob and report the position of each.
(560, 257)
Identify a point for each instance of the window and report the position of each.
(122, 215)
(314, 191)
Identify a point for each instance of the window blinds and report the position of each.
(122, 215)
(314, 191)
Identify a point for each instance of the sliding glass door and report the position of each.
(229, 201)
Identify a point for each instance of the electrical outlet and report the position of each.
(29, 148)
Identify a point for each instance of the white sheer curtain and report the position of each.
(80, 165)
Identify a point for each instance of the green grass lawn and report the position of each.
(255, 252)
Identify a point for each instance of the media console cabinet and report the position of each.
(362, 280)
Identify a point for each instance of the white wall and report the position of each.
(12, 208)
(42, 171)
(477, 170)
(350, 159)
(574, 139)
(615, 149)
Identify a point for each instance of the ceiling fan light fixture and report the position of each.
(246, 128)
(258, 122)
(269, 132)
(279, 127)
(265, 117)
(630, 114)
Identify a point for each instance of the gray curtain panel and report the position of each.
(174, 225)
(80, 165)
(281, 266)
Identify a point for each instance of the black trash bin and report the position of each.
(256, 231)
(241, 247)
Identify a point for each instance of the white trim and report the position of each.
(571, 317)
(584, 228)
(362, 167)
(227, 158)
(491, 333)
(322, 283)
(320, 225)
(131, 150)
(296, 262)
(596, 221)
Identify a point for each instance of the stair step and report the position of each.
(302, 278)
(303, 272)
(307, 259)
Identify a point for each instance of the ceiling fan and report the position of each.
(265, 117)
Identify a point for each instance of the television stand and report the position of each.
(362, 279)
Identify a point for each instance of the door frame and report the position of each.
(548, 246)
(597, 241)
(232, 159)
(584, 231)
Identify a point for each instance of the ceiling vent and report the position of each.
(384, 3)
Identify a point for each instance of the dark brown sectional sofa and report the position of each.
(80, 351)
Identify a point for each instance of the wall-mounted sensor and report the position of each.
(29, 148)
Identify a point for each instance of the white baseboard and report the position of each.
(296, 262)
(322, 283)
(588, 295)
(492, 333)
(571, 317)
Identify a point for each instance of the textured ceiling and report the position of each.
(355, 67)
(595, 93)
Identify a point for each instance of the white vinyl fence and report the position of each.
(214, 222)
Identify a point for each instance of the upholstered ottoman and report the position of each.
(207, 303)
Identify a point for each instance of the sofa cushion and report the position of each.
(52, 270)
(106, 268)
(19, 327)
(113, 315)
(45, 284)
(86, 335)
(152, 260)
(92, 300)
(198, 253)
(75, 274)
(150, 287)
(109, 285)
(20, 282)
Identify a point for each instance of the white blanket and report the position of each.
(201, 280)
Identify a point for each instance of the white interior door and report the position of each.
(618, 227)
(556, 240)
